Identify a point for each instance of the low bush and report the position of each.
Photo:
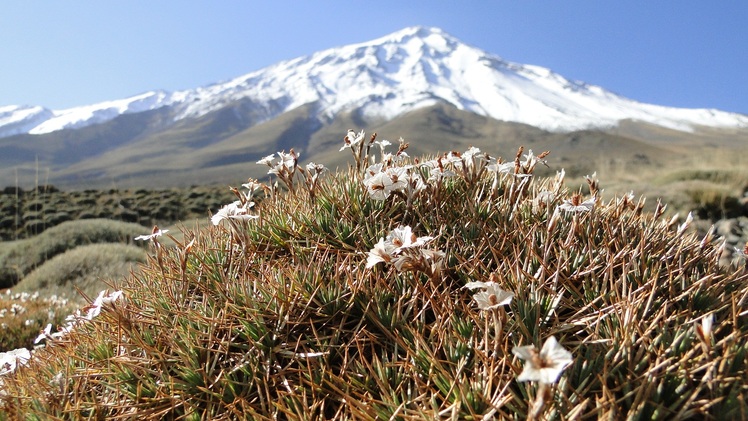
(27, 254)
(84, 268)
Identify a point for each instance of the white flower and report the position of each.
(233, 210)
(94, 309)
(575, 204)
(373, 170)
(491, 296)
(707, 323)
(156, 233)
(472, 158)
(268, 160)
(452, 157)
(379, 186)
(531, 160)
(10, 360)
(402, 238)
(382, 252)
(46, 333)
(313, 171)
(390, 249)
(317, 168)
(252, 186)
(542, 200)
(477, 285)
(399, 177)
(382, 143)
(439, 173)
(290, 159)
(545, 366)
(352, 139)
(503, 168)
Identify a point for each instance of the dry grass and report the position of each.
(279, 317)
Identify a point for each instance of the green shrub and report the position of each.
(127, 215)
(84, 268)
(30, 216)
(58, 218)
(34, 226)
(7, 222)
(34, 205)
(89, 215)
(728, 176)
(27, 254)
(714, 201)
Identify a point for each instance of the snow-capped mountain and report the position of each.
(385, 78)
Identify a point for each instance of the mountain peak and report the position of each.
(413, 32)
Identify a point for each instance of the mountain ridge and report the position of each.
(418, 83)
(386, 78)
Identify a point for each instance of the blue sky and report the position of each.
(62, 54)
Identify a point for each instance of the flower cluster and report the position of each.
(470, 164)
(311, 177)
(404, 250)
(83, 315)
(287, 167)
(239, 209)
(382, 181)
(11, 360)
(284, 168)
(388, 177)
(233, 211)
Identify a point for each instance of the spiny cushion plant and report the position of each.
(459, 287)
(19, 259)
(85, 268)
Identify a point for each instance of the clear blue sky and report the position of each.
(62, 54)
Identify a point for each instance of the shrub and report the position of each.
(30, 216)
(7, 222)
(127, 215)
(34, 226)
(34, 205)
(89, 215)
(58, 218)
(83, 268)
(27, 254)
